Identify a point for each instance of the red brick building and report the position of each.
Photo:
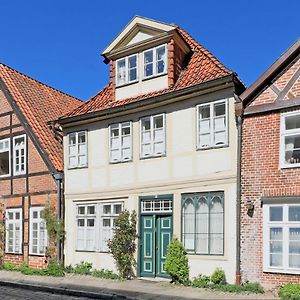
(270, 174)
(31, 162)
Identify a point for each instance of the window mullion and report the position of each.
(120, 141)
(152, 135)
(212, 127)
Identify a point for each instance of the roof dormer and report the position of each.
(146, 56)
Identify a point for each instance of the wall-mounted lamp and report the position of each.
(249, 204)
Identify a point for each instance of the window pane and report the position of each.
(294, 213)
(148, 56)
(91, 210)
(106, 222)
(294, 247)
(158, 122)
(276, 213)
(90, 222)
(160, 67)
(189, 224)
(126, 131)
(80, 222)
(146, 125)
(216, 226)
(132, 62)
(35, 214)
(81, 210)
(121, 72)
(72, 139)
(81, 137)
(219, 109)
(204, 112)
(106, 209)
(275, 247)
(117, 209)
(4, 163)
(202, 224)
(292, 149)
(292, 122)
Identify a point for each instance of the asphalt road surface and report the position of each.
(11, 293)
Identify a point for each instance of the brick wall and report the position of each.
(35, 188)
(262, 176)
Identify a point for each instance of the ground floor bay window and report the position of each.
(281, 225)
(95, 223)
(203, 223)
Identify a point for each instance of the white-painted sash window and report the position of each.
(203, 223)
(4, 157)
(127, 69)
(153, 136)
(95, 223)
(38, 232)
(281, 237)
(155, 61)
(290, 139)
(212, 128)
(13, 224)
(120, 142)
(78, 156)
(19, 154)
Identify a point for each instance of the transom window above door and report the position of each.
(290, 140)
(156, 205)
(212, 127)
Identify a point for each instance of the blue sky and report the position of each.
(59, 42)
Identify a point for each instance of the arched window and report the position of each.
(203, 223)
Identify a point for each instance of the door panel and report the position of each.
(147, 254)
(156, 233)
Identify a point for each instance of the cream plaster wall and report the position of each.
(184, 169)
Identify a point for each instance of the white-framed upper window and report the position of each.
(120, 142)
(4, 157)
(212, 124)
(38, 239)
(95, 223)
(281, 238)
(290, 140)
(19, 154)
(13, 225)
(153, 136)
(155, 61)
(77, 152)
(127, 69)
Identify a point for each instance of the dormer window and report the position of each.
(155, 61)
(127, 70)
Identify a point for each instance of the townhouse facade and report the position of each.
(160, 139)
(31, 163)
(270, 187)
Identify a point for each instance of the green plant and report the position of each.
(83, 268)
(254, 287)
(55, 230)
(103, 273)
(123, 246)
(9, 266)
(290, 291)
(218, 277)
(54, 269)
(177, 262)
(69, 269)
(202, 281)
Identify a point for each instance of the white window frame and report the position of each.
(154, 50)
(99, 244)
(212, 131)
(40, 221)
(14, 222)
(9, 155)
(127, 70)
(77, 154)
(285, 133)
(19, 148)
(152, 153)
(285, 225)
(121, 147)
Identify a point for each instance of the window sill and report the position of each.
(152, 156)
(120, 161)
(76, 168)
(212, 147)
(91, 251)
(37, 255)
(126, 84)
(281, 271)
(14, 253)
(291, 166)
(207, 256)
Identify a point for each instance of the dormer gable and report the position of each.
(146, 56)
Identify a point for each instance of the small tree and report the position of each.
(177, 262)
(123, 246)
(2, 232)
(55, 230)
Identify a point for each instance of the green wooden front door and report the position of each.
(156, 234)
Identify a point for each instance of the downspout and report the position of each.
(238, 111)
(59, 181)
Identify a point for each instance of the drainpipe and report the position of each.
(239, 110)
(59, 180)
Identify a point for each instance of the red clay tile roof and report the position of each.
(202, 67)
(39, 104)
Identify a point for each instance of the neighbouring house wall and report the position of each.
(35, 188)
(182, 170)
(262, 176)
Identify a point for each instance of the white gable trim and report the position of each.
(133, 25)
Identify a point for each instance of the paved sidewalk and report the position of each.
(97, 288)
